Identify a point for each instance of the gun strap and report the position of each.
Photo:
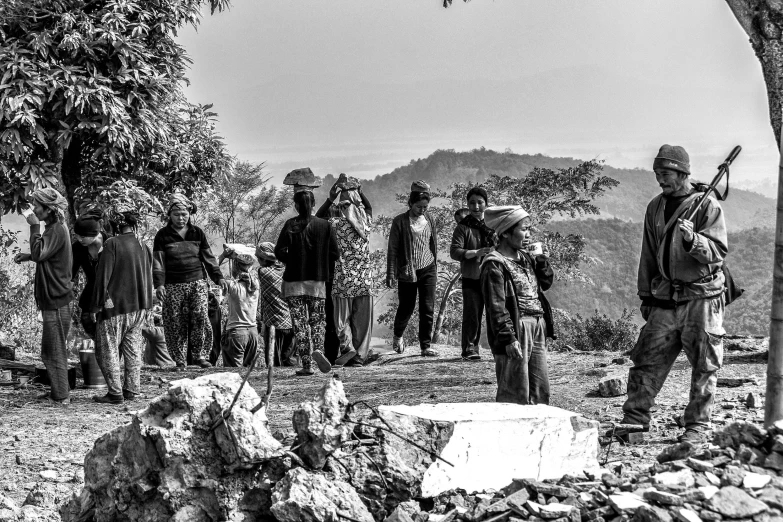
(703, 187)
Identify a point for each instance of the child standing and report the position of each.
(273, 311)
(241, 338)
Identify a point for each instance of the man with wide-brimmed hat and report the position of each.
(50, 250)
(681, 284)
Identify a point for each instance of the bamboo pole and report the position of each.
(773, 404)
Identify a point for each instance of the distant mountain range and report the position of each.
(627, 201)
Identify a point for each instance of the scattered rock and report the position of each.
(613, 385)
(49, 474)
(735, 382)
(752, 401)
(303, 496)
(662, 497)
(683, 478)
(626, 502)
(755, 481)
(733, 502)
(648, 513)
(679, 451)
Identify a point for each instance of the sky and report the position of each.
(362, 87)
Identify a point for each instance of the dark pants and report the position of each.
(240, 347)
(89, 324)
(426, 281)
(472, 310)
(525, 380)
(331, 340)
(285, 347)
(54, 351)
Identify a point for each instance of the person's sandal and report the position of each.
(429, 352)
(203, 363)
(303, 372)
(323, 363)
(345, 358)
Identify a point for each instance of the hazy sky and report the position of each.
(362, 86)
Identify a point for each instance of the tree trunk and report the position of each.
(762, 21)
(773, 404)
(442, 310)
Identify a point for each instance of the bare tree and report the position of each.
(265, 212)
(229, 197)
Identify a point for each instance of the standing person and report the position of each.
(181, 258)
(123, 301)
(51, 253)
(273, 311)
(681, 284)
(89, 239)
(241, 338)
(471, 241)
(352, 292)
(519, 318)
(411, 261)
(307, 247)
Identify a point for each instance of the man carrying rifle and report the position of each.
(681, 284)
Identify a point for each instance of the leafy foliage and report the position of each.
(595, 333)
(90, 89)
(20, 322)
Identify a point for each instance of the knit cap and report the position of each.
(266, 251)
(502, 218)
(88, 224)
(673, 157)
(420, 186)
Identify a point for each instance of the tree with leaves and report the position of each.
(91, 90)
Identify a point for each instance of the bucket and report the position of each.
(91, 373)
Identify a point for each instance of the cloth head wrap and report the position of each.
(88, 224)
(501, 219)
(124, 214)
(51, 199)
(244, 257)
(180, 200)
(355, 213)
(420, 186)
(266, 251)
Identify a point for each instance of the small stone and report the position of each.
(613, 386)
(48, 474)
(700, 465)
(534, 508)
(693, 495)
(732, 476)
(682, 478)
(774, 461)
(751, 401)
(555, 510)
(662, 497)
(651, 514)
(778, 443)
(686, 515)
(680, 451)
(733, 502)
(611, 480)
(706, 514)
(709, 491)
(755, 481)
(626, 502)
(19, 460)
(772, 497)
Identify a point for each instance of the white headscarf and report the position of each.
(356, 215)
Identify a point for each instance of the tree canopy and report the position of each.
(91, 90)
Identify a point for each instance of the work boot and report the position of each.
(693, 436)
(623, 430)
(429, 352)
(471, 354)
(398, 344)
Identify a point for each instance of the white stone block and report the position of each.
(493, 443)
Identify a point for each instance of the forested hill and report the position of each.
(627, 201)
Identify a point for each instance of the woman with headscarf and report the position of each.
(307, 247)
(411, 260)
(352, 292)
(519, 318)
(89, 239)
(182, 259)
(51, 253)
(240, 344)
(122, 301)
(471, 241)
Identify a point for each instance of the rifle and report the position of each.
(723, 168)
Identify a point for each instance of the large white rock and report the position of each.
(494, 443)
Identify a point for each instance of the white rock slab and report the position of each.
(494, 443)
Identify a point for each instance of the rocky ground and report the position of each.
(42, 448)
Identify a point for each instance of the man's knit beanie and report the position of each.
(673, 157)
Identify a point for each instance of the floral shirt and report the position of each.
(526, 284)
(352, 271)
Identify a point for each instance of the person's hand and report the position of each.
(514, 350)
(160, 292)
(686, 227)
(645, 310)
(21, 257)
(32, 220)
(390, 282)
(481, 252)
(334, 191)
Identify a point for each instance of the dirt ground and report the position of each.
(44, 443)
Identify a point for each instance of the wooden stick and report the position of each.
(773, 405)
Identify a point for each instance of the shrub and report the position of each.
(596, 333)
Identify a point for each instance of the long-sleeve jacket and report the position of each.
(51, 252)
(83, 261)
(466, 238)
(500, 298)
(308, 249)
(688, 273)
(183, 260)
(123, 279)
(399, 254)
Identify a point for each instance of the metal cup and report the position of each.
(536, 249)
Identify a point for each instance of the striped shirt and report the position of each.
(422, 233)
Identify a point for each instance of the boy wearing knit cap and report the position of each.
(519, 318)
(681, 284)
